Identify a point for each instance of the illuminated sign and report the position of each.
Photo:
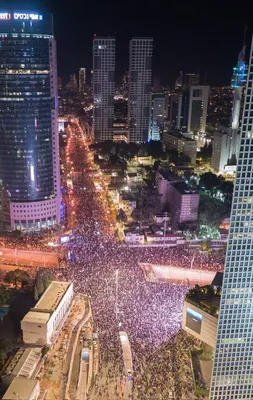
(34, 17)
(5, 16)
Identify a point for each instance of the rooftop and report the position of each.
(36, 317)
(21, 389)
(52, 297)
(180, 136)
(205, 298)
(24, 362)
(183, 188)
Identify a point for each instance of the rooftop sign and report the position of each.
(21, 16)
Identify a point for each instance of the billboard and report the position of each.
(193, 320)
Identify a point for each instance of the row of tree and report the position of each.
(217, 186)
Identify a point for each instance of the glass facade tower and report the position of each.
(140, 79)
(29, 150)
(232, 377)
(103, 87)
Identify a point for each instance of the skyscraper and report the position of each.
(157, 116)
(140, 78)
(29, 148)
(82, 79)
(191, 79)
(226, 138)
(198, 102)
(103, 86)
(232, 377)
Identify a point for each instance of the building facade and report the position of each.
(226, 145)
(41, 323)
(82, 79)
(103, 79)
(29, 146)
(198, 102)
(139, 97)
(232, 376)
(200, 324)
(157, 111)
(182, 144)
(183, 204)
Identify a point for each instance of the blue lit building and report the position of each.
(29, 148)
(156, 125)
(232, 377)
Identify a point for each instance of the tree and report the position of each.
(4, 295)
(212, 212)
(121, 217)
(227, 188)
(17, 276)
(206, 152)
(45, 349)
(42, 281)
(3, 351)
(210, 182)
(148, 206)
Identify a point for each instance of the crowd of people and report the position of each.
(151, 313)
(29, 241)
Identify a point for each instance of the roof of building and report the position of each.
(21, 389)
(37, 317)
(52, 296)
(183, 188)
(179, 135)
(24, 362)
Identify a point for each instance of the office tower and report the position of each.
(140, 77)
(29, 148)
(183, 144)
(226, 139)
(191, 79)
(103, 87)
(179, 81)
(232, 376)
(82, 79)
(157, 111)
(198, 102)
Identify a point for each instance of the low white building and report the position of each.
(41, 324)
(23, 389)
(22, 364)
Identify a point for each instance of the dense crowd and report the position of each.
(29, 241)
(151, 313)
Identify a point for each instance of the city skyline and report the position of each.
(185, 39)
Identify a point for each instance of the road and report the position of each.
(74, 355)
(28, 257)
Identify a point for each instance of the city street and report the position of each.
(30, 258)
(150, 313)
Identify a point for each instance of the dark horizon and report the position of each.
(204, 39)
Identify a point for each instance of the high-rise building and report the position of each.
(29, 147)
(232, 376)
(103, 87)
(179, 80)
(140, 78)
(157, 116)
(198, 102)
(191, 79)
(226, 139)
(82, 79)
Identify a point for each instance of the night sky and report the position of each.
(189, 35)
